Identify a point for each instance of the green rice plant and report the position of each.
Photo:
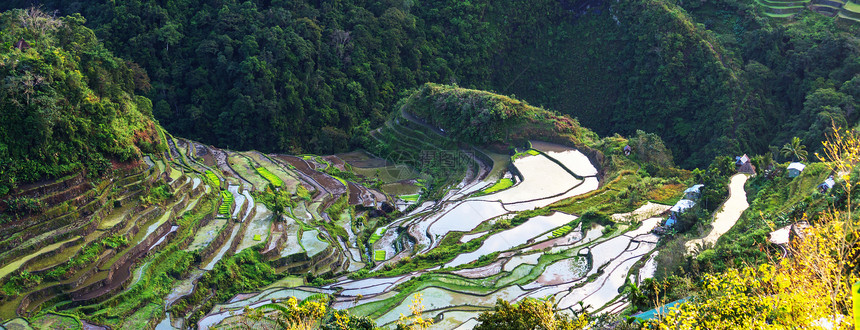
(376, 235)
(273, 179)
(224, 209)
(379, 255)
(213, 179)
(303, 192)
(530, 152)
(503, 184)
(561, 231)
(410, 198)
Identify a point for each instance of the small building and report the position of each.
(693, 192)
(747, 168)
(783, 236)
(670, 221)
(679, 208)
(22, 45)
(826, 185)
(794, 169)
(682, 206)
(740, 161)
(744, 165)
(627, 150)
(656, 312)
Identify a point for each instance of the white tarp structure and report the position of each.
(693, 192)
(780, 236)
(682, 205)
(827, 184)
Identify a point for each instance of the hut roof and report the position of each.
(747, 168)
(829, 182)
(694, 189)
(682, 205)
(796, 166)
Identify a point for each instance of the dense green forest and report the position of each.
(67, 103)
(708, 77)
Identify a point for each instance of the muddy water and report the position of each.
(515, 236)
(466, 216)
(542, 178)
(728, 215)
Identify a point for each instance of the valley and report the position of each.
(344, 218)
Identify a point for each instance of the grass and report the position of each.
(376, 236)
(379, 255)
(213, 179)
(342, 181)
(53, 320)
(142, 316)
(779, 15)
(225, 207)
(274, 180)
(410, 198)
(667, 194)
(303, 192)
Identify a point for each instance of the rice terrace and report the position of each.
(461, 224)
(434, 164)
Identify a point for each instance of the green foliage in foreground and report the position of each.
(530, 313)
(246, 271)
(67, 104)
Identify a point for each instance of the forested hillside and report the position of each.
(709, 77)
(67, 103)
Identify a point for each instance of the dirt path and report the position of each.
(728, 214)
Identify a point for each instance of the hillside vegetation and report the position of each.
(709, 77)
(67, 103)
(480, 117)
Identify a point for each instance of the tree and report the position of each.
(415, 321)
(311, 313)
(794, 149)
(529, 314)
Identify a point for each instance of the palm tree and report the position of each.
(794, 149)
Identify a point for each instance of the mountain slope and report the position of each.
(712, 78)
(67, 103)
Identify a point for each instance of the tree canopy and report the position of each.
(68, 104)
(299, 76)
